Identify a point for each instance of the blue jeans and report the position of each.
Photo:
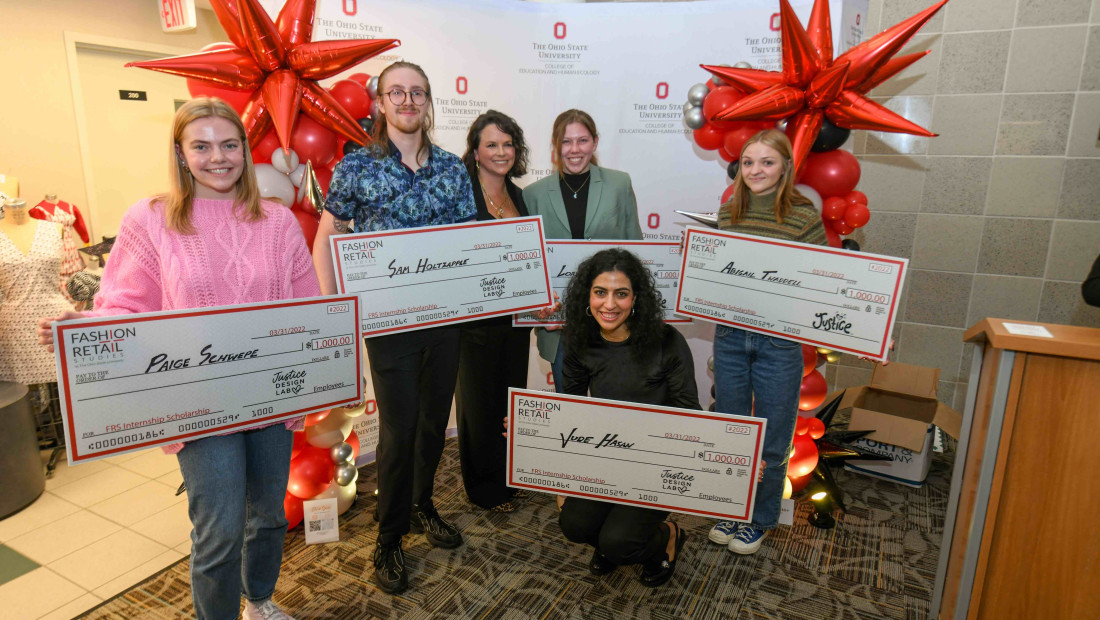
(235, 489)
(751, 367)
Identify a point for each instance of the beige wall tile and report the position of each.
(973, 62)
(915, 109)
(106, 559)
(966, 124)
(929, 345)
(1073, 248)
(152, 463)
(62, 537)
(1025, 186)
(1045, 59)
(137, 503)
(894, 11)
(945, 392)
(1014, 247)
(892, 183)
(874, 16)
(956, 185)
(947, 242)
(1004, 297)
(1080, 198)
(1084, 135)
(1062, 304)
(847, 377)
(937, 298)
(888, 233)
(1090, 73)
(37, 593)
(978, 15)
(64, 474)
(1052, 12)
(46, 509)
(1034, 124)
(918, 78)
(99, 486)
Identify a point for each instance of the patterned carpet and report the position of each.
(879, 562)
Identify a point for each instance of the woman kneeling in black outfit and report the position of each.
(617, 347)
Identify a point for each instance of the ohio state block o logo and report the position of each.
(559, 30)
(662, 90)
(654, 220)
(371, 408)
(550, 378)
(350, 7)
(775, 22)
(460, 85)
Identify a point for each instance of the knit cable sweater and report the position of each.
(227, 261)
(802, 223)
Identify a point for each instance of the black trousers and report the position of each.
(414, 378)
(623, 534)
(494, 357)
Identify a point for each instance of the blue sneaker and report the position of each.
(723, 532)
(747, 540)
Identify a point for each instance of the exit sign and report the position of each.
(177, 15)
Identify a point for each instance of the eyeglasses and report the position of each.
(398, 96)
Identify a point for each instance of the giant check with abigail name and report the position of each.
(140, 380)
(422, 277)
(664, 458)
(817, 295)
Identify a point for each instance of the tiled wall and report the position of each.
(1000, 214)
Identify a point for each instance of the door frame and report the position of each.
(76, 41)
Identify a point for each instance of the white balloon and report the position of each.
(274, 185)
(334, 428)
(810, 193)
(296, 176)
(356, 412)
(345, 495)
(284, 163)
(742, 65)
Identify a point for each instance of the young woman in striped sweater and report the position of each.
(756, 369)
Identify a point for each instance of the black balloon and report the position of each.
(830, 137)
(850, 244)
(731, 169)
(366, 123)
(350, 147)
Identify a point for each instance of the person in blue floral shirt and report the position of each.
(402, 180)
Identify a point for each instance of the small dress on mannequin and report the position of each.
(52, 210)
(30, 263)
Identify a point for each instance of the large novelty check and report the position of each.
(140, 380)
(422, 277)
(642, 455)
(822, 296)
(564, 255)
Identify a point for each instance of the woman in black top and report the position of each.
(618, 347)
(493, 354)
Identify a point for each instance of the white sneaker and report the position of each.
(264, 610)
(723, 532)
(747, 540)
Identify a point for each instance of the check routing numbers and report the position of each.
(422, 277)
(643, 455)
(135, 381)
(813, 294)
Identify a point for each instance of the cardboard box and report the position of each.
(900, 406)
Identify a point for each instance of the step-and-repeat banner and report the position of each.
(628, 64)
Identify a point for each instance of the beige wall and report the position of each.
(38, 138)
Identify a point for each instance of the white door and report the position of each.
(127, 139)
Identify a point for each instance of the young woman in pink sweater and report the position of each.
(211, 241)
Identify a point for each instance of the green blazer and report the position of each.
(612, 213)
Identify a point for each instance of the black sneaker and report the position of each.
(658, 573)
(389, 568)
(438, 532)
(599, 565)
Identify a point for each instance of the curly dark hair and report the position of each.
(508, 125)
(646, 322)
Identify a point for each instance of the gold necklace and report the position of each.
(571, 187)
(500, 209)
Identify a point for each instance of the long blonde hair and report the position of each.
(179, 200)
(557, 134)
(786, 194)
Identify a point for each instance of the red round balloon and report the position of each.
(725, 155)
(831, 236)
(718, 100)
(299, 444)
(833, 208)
(353, 96)
(801, 426)
(313, 418)
(804, 459)
(324, 178)
(709, 136)
(361, 78)
(736, 138)
(312, 142)
(353, 441)
(817, 428)
(812, 392)
(294, 510)
(841, 228)
(857, 215)
(809, 359)
(309, 224)
(856, 197)
(262, 150)
(799, 482)
(832, 173)
(728, 193)
(310, 473)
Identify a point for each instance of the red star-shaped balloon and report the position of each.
(280, 65)
(813, 86)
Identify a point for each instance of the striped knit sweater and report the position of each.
(803, 222)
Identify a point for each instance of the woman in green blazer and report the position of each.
(581, 201)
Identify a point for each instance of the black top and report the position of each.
(479, 198)
(575, 208)
(666, 375)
